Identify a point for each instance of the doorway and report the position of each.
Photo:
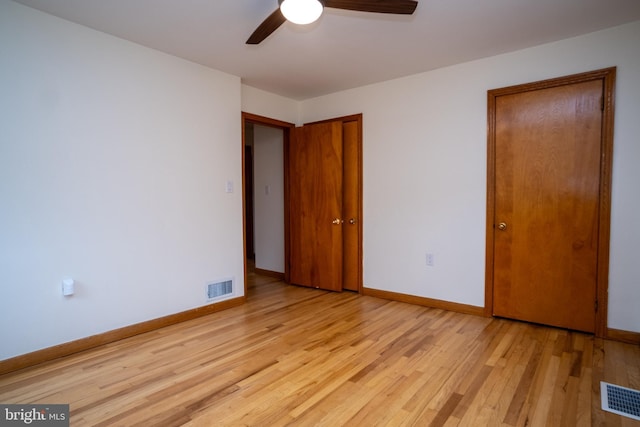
(348, 269)
(550, 149)
(272, 136)
(264, 199)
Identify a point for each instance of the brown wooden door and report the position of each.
(547, 189)
(351, 189)
(316, 193)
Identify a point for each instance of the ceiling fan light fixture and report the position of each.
(301, 11)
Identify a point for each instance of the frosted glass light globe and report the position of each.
(301, 11)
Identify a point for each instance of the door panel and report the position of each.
(547, 188)
(351, 234)
(316, 192)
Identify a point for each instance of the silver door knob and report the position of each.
(352, 221)
(502, 226)
(337, 221)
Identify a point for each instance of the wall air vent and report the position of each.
(219, 289)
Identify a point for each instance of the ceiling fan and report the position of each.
(307, 11)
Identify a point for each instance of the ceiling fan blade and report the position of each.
(267, 27)
(401, 7)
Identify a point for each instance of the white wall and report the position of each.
(425, 168)
(268, 180)
(256, 101)
(113, 165)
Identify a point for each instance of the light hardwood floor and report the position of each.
(297, 356)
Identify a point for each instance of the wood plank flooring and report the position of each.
(297, 356)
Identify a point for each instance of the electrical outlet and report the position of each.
(430, 260)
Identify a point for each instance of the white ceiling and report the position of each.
(343, 49)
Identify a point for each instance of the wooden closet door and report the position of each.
(547, 183)
(351, 207)
(316, 191)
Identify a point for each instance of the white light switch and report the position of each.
(68, 287)
(229, 186)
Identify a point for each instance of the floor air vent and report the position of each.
(219, 289)
(620, 400)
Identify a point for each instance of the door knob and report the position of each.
(502, 226)
(337, 221)
(353, 221)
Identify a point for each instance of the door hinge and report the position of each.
(596, 306)
(602, 103)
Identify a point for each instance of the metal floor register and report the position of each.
(620, 400)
